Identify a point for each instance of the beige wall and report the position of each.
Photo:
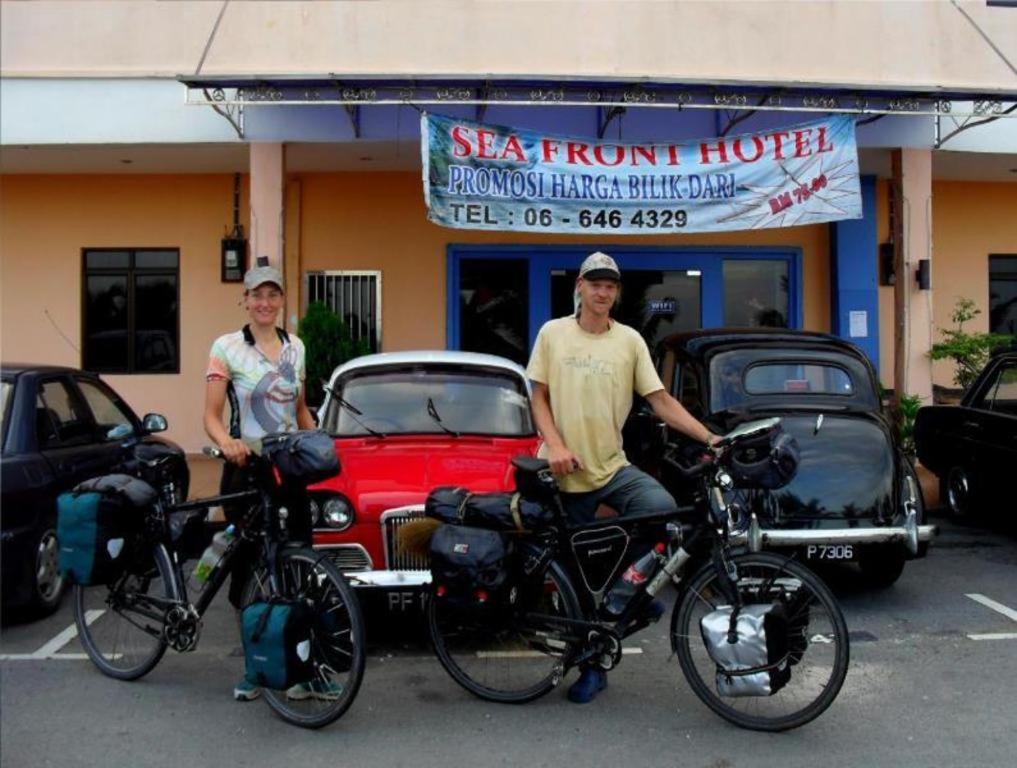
(45, 221)
(334, 221)
(970, 220)
(911, 44)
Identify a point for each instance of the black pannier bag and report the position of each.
(758, 662)
(494, 511)
(303, 457)
(468, 563)
(97, 524)
(277, 643)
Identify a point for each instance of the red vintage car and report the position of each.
(404, 423)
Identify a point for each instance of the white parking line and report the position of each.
(49, 650)
(626, 651)
(1010, 613)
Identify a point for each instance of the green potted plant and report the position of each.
(969, 351)
(329, 343)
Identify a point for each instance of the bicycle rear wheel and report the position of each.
(817, 639)
(505, 658)
(337, 637)
(121, 624)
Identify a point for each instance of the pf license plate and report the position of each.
(830, 552)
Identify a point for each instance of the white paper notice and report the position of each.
(858, 324)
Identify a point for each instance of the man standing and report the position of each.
(584, 369)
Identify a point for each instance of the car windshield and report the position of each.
(6, 388)
(425, 400)
(736, 379)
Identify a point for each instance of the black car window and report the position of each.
(59, 419)
(1002, 392)
(106, 411)
(6, 388)
(690, 395)
(796, 378)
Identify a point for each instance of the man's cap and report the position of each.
(262, 273)
(599, 266)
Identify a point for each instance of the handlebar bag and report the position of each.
(303, 457)
(468, 562)
(757, 663)
(97, 523)
(277, 643)
(768, 461)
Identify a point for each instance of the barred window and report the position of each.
(353, 295)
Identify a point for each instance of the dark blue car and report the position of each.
(56, 432)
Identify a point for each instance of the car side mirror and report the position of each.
(154, 422)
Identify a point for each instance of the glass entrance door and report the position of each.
(655, 302)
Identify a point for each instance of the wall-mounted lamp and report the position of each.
(924, 274)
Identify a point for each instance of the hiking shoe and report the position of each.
(315, 689)
(245, 691)
(591, 682)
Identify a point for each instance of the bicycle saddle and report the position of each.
(534, 480)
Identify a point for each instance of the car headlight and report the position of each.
(333, 512)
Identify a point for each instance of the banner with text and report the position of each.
(492, 177)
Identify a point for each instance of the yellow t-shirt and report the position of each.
(590, 379)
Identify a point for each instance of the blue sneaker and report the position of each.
(591, 682)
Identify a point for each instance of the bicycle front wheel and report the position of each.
(337, 637)
(817, 642)
(511, 653)
(121, 624)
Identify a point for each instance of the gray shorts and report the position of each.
(631, 492)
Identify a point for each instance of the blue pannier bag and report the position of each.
(97, 523)
(277, 644)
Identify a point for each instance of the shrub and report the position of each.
(329, 343)
(969, 351)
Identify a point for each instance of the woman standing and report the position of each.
(260, 371)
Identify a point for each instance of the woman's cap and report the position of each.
(262, 273)
(599, 266)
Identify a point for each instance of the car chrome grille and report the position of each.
(348, 557)
(391, 522)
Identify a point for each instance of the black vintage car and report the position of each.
(973, 447)
(855, 497)
(60, 426)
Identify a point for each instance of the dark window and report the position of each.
(59, 419)
(131, 311)
(755, 293)
(6, 390)
(1001, 391)
(1003, 294)
(493, 307)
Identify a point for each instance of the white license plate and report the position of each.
(830, 552)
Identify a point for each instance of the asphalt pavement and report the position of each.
(932, 682)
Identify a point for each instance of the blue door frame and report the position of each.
(542, 259)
